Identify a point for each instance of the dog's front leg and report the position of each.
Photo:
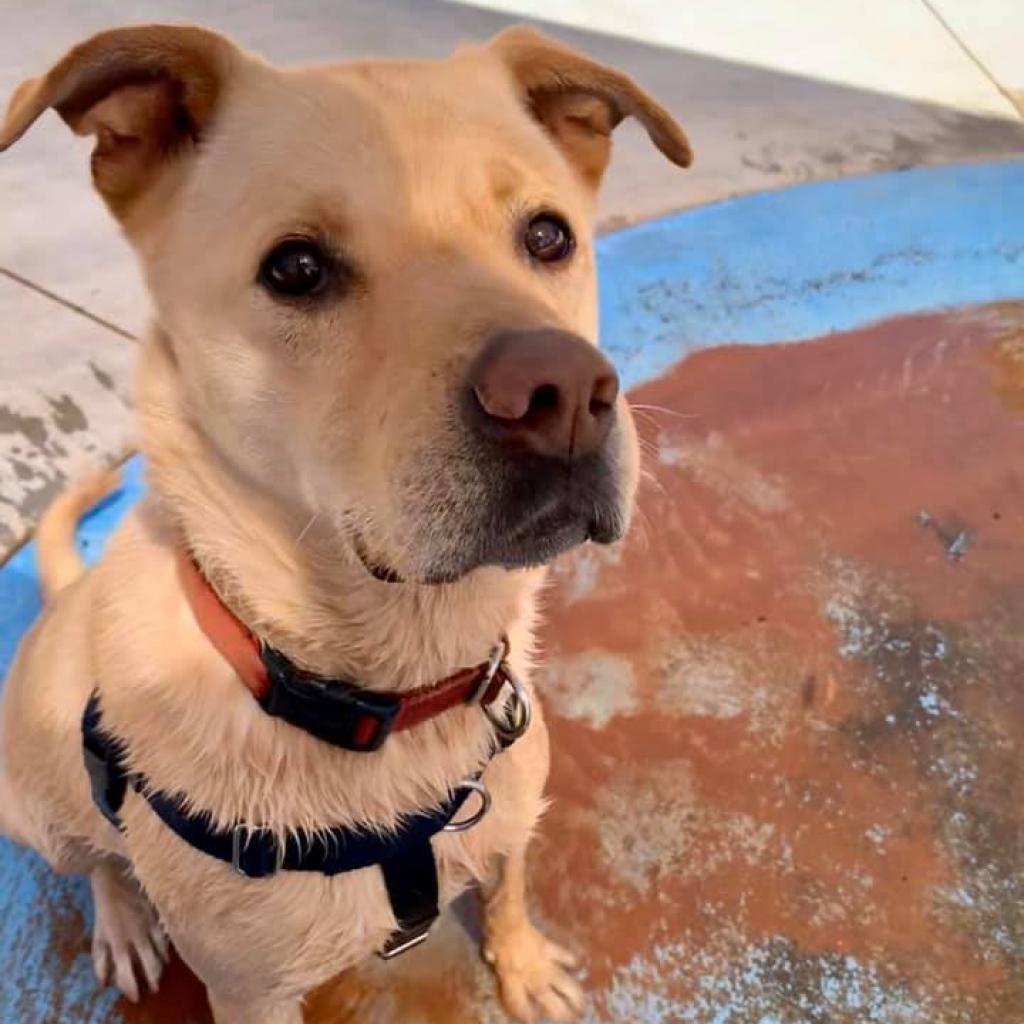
(235, 1011)
(533, 972)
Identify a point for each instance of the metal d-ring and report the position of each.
(516, 711)
(494, 661)
(473, 786)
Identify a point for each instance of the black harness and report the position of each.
(405, 855)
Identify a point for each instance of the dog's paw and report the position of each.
(127, 938)
(534, 974)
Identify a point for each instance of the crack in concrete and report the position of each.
(1015, 100)
(66, 303)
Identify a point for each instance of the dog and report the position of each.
(372, 410)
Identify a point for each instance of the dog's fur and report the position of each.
(275, 434)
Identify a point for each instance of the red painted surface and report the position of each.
(809, 806)
(788, 714)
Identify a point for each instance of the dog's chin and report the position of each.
(528, 546)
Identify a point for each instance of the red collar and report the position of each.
(245, 653)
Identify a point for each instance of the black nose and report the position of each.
(546, 391)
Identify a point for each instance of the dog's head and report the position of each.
(377, 279)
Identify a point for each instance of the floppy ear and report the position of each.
(146, 93)
(580, 101)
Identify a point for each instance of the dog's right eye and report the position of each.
(295, 268)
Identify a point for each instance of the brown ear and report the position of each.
(580, 101)
(144, 92)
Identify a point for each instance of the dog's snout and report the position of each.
(548, 392)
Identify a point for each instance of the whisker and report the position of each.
(646, 418)
(662, 409)
(650, 479)
(309, 526)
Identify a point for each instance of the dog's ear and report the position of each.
(580, 101)
(146, 93)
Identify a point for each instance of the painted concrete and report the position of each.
(786, 720)
(805, 262)
(58, 417)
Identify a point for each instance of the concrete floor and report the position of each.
(787, 725)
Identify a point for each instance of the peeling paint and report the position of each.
(102, 377)
(577, 576)
(772, 982)
(654, 823)
(593, 687)
(66, 414)
(724, 677)
(929, 683)
(66, 427)
(955, 539)
(711, 462)
(813, 814)
(31, 428)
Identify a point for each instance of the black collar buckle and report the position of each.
(332, 710)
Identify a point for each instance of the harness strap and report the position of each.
(104, 763)
(257, 852)
(404, 855)
(411, 881)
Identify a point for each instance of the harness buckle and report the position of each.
(256, 852)
(405, 939)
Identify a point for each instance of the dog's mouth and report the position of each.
(378, 570)
(530, 511)
(532, 545)
(533, 511)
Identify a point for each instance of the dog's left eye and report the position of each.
(295, 268)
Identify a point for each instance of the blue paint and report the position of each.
(788, 265)
(38, 911)
(35, 903)
(810, 260)
(19, 587)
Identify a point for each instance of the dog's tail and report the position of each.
(59, 562)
